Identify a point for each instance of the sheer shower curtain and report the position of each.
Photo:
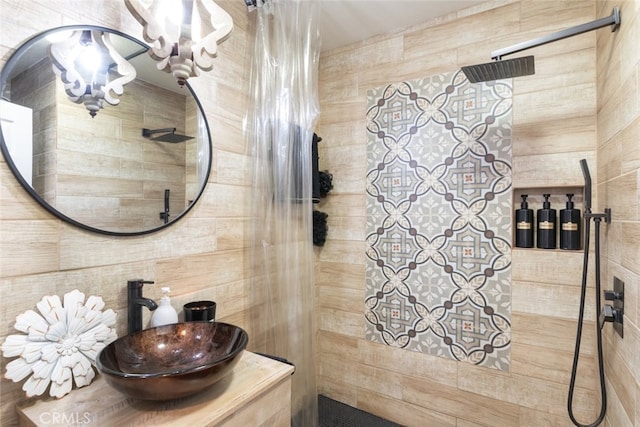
(280, 127)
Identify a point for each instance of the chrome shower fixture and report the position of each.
(504, 69)
(169, 135)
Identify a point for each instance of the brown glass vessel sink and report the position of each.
(172, 361)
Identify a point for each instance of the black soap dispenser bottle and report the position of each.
(546, 236)
(524, 224)
(570, 226)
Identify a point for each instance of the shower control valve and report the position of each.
(614, 312)
(609, 314)
(613, 296)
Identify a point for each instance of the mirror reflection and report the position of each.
(118, 148)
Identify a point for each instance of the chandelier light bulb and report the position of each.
(90, 59)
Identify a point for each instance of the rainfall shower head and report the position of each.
(497, 70)
(169, 135)
(503, 69)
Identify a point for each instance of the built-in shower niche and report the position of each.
(558, 201)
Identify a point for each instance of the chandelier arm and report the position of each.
(63, 56)
(126, 71)
(153, 31)
(205, 50)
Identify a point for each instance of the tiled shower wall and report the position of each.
(554, 126)
(438, 270)
(618, 84)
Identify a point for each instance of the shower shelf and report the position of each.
(558, 202)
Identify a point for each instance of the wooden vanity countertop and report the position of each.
(99, 404)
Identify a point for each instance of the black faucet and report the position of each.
(135, 301)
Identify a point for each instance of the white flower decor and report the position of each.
(61, 344)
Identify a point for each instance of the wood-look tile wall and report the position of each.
(201, 257)
(618, 90)
(554, 126)
(41, 98)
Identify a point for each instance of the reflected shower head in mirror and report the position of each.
(169, 135)
(497, 70)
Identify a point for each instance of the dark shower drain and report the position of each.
(336, 414)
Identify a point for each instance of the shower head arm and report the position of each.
(613, 20)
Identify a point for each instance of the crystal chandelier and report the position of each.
(91, 69)
(184, 33)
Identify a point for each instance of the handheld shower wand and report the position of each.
(587, 185)
(585, 266)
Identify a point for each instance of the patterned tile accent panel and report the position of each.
(438, 273)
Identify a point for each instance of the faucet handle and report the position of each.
(138, 283)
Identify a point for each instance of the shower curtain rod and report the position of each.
(251, 5)
(613, 20)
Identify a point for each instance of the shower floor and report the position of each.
(336, 414)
